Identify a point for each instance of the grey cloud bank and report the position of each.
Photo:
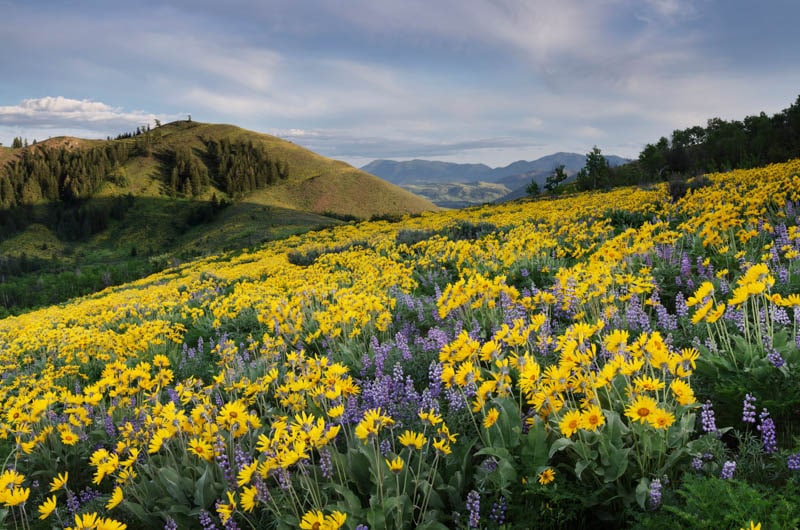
(463, 81)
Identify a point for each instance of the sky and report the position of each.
(477, 81)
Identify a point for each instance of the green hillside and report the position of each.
(78, 215)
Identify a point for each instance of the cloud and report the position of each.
(41, 116)
(347, 145)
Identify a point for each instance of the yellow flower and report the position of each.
(59, 482)
(701, 313)
(312, 520)
(248, 498)
(396, 465)
(116, 498)
(683, 392)
(412, 439)
(592, 418)
(233, 416)
(47, 507)
(110, 524)
(68, 437)
(646, 383)
(661, 419)
(547, 476)
(753, 526)
(225, 509)
(16, 496)
(85, 521)
(490, 418)
(201, 448)
(570, 423)
(442, 446)
(157, 441)
(335, 520)
(641, 408)
(430, 418)
(716, 314)
(335, 412)
(705, 290)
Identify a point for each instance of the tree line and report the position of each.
(59, 174)
(721, 145)
(242, 167)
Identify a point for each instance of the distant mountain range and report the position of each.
(435, 180)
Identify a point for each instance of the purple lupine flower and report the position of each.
(474, 508)
(206, 521)
(681, 309)
(455, 399)
(749, 409)
(686, 265)
(728, 469)
(401, 342)
(767, 429)
(655, 493)
(73, 504)
(498, 513)
(665, 320)
(284, 479)
(326, 463)
(780, 316)
(362, 527)
(221, 457)
(737, 316)
(170, 524)
(435, 379)
(108, 424)
(707, 417)
(774, 357)
(793, 462)
(87, 495)
(697, 463)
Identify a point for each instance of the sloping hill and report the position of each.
(117, 209)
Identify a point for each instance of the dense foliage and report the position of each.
(59, 174)
(241, 167)
(719, 146)
(617, 359)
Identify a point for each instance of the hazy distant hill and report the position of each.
(428, 171)
(449, 184)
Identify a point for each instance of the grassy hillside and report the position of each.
(130, 221)
(578, 362)
(459, 194)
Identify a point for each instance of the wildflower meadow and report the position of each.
(616, 359)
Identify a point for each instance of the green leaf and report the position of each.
(580, 466)
(171, 480)
(359, 467)
(397, 503)
(534, 448)
(376, 516)
(642, 489)
(615, 429)
(350, 499)
(614, 461)
(204, 489)
(559, 445)
(498, 452)
(138, 511)
(432, 525)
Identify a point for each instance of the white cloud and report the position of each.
(59, 109)
(41, 117)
